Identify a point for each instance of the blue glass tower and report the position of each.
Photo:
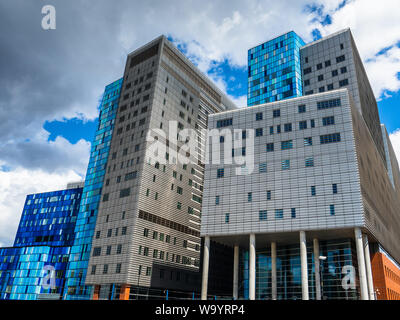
(49, 218)
(42, 246)
(86, 220)
(274, 71)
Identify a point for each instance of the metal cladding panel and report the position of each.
(286, 173)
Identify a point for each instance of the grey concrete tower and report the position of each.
(148, 227)
(333, 62)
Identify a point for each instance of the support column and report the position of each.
(252, 267)
(361, 264)
(304, 270)
(273, 271)
(236, 272)
(206, 261)
(317, 270)
(368, 268)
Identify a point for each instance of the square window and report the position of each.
(287, 127)
(309, 162)
(330, 138)
(118, 268)
(307, 70)
(93, 271)
(313, 191)
(276, 113)
(279, 214)
(327, 121)
(285, 164)
(262, 215)
(340, 59)
(302, 125)
(308, 141)
(262, 167)
(285, 145)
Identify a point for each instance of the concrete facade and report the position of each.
(333, 62)
(306, 186)
(333, 163)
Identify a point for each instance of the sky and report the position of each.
(51, 81)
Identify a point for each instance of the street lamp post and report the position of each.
(321, 258)
(376, 292)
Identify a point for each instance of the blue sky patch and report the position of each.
(389, 111)
(71, 129)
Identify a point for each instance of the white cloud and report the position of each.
(50, 156)
(33, 167)
(229, 29)
(16, 185)
(240, 101)
(375, 25)
(395, 140)
(383, 70)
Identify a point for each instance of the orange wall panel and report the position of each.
(124, 293)
(386, 277)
